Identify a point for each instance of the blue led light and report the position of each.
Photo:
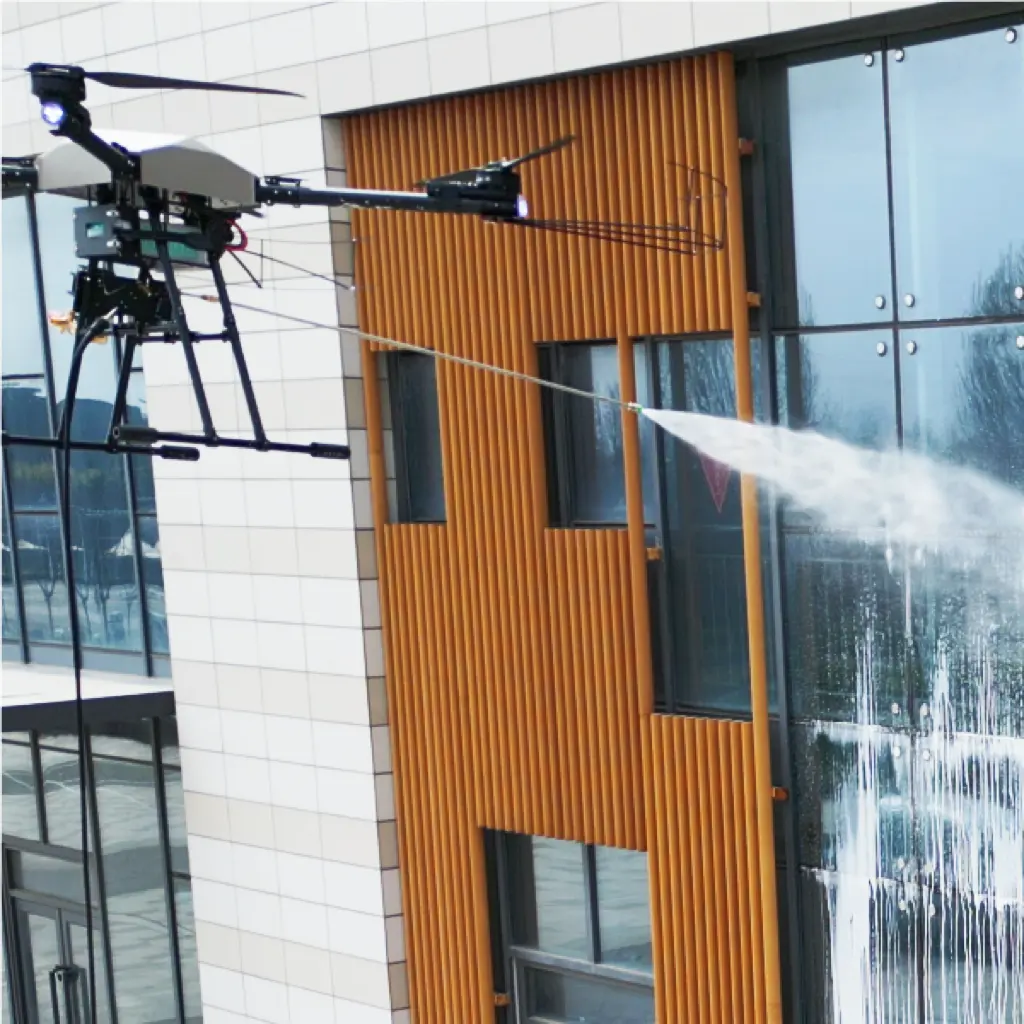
(53, 113)
(522, 207)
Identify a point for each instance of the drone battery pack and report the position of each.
(100, 233)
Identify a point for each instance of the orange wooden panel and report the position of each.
(518, 689)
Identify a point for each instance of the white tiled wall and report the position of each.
(272, 602)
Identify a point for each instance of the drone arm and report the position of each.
(272, 193)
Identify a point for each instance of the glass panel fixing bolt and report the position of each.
(881, 348)
(869, 58)
(1020, 342)
(1018, 292)
(911, 347)
(899, 55)
(908, 299)
(879, 302)
(1011, 35)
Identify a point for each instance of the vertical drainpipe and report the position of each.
(751, 547)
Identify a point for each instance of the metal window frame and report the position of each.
(394, 361)
(146, 661)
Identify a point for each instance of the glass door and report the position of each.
(53, 954)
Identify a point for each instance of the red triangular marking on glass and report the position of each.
(717, 477)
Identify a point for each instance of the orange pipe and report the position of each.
(635, 526)
(751, 553)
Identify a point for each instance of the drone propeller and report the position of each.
(501, 165)
(130, 80)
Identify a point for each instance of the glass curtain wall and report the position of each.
(144, 932)
(115, 539)
(896, 231)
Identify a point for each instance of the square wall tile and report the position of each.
(520, 49)
(214, 902)
(284, 40)
(346, 794)
(445, 18)
(345, 747)
(512, 10)
(361, 981)
(327, 602)
(335, 651)
(252, 824)
(293, 146)
(218, 945)
(350, 840)
(234, 642)
(262, 956)
(83, 35)
(207, 815)
(311, 404)
(254, 868)
(459, 62)
(239, 689)
(289, 739)
(176, 20)
(400, 72)
(210, 859)
(259, 912)
(719, 23)
(301, 878)
(221, 988)
(391, 23)
(195, 682)
(308, 968)
(231, 595)
(269, 503)
(274, 556)
(360, 935)
(199, 727)
(278, 598)
(128, 26)
(323, 504)
(338, 699)
(353, 888)
(190, 638)
(281, 646)
(304, 922)
(329, 553)
(297, 831)
(225, 549)
(312, 1007)
(339, 29)
(586, 37)
(294, 786)
(266, 1000)
(785, 17)
(248, 778)
(285, 693)
(650, 29)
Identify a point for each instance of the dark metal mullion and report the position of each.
(101, 888)
(133, 515)
(165, 854)
(13, 950)
(563, 438)
(19, 597)
(37, 772)
(1003, 319)
(590, 890)
(769, 394)
(402, 495)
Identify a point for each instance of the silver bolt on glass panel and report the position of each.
(898, 55)
(926, 755)
(1018, 292)
(869, 59)
(881, 348)
(931, 910)
(879, 302)
(1020, 342)
(924, 710)
(895, 708)
(911, 347)
(1011, 35)
(896, 750)
(908, 299)
(903, 904)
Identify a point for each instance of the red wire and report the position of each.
(240, 246)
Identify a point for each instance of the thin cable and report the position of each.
(461, 360)
(64, 428)
(330, 279)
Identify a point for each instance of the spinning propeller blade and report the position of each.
(131, 80)
(551, 147)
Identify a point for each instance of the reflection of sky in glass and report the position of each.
(21, 350)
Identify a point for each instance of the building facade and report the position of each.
(529, 712)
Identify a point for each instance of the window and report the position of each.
(691, 504)
(574, 926)
(418, 494)
(145, 949)
(114, 533)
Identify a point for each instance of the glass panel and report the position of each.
(962, 391)
(153, 576)
(142, 465)
(50, 875)
(61, 792)
(132, 740)
(41, 563)
(623, 908)
(177, 834)
(862, 940)
(561, 897)
(952, 137)
(839, 194)
(187, 950)
(20, 814)
(846, 610)
(55, 220)
(169, 751)
(703, 536)
(22, 351)
(33, 477)
(44, 952)
(572, 998)
(12, 623)
(592, 459)
(80, 955)
(136, 894)
(415, 396)
(108, 597)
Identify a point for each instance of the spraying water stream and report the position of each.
(910, 776)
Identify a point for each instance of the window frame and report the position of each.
(403, 511)
(146, 661)
(159, 728)
(514, 959)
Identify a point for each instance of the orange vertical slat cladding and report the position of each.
(515, 651)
